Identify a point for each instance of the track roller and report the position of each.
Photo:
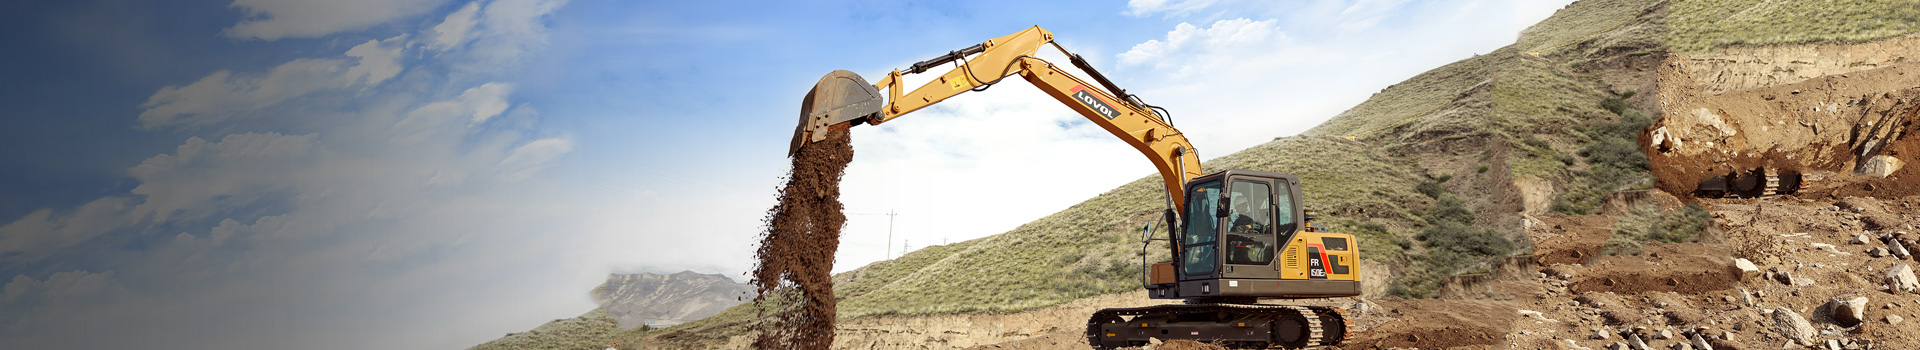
(1297, 329)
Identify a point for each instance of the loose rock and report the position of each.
(1699, 343)
(1894, 320)
(1791, 325)
(1848, 311)
(1901, 278)
(1747, 270)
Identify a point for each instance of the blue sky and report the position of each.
(435, 173)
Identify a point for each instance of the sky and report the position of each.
(432, 174)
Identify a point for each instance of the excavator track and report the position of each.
(1243, 325)
(1751, 184)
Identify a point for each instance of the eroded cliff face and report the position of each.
(1839, 112)
(662, 300)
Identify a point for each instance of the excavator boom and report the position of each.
(842, 99)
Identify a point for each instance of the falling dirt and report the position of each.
(796, 251)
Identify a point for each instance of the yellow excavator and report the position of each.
(1236, 236)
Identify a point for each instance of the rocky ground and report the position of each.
(1781, 272)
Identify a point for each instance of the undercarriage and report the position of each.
(1241, 326)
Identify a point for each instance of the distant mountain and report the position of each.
(664, 300)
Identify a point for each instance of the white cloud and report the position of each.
(378, 60)
(277, 19)
(225, 95)
(39, 234)
(60, 288)
(499, 33)
(456, 29)
(203, 178)
(1189, 48)
(475, 106)
(528, 159)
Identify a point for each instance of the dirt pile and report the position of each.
(796, 251)
(1434, 324)
(1687, 268)
(1565, 239)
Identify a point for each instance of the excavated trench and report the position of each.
(1837, 113)
(796, 251)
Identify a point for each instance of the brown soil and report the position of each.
(1688, 268)
(1564, 239)
(1434, 324)
(796, 252)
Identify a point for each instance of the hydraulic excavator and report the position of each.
(1236, 236)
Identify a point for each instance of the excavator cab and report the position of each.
(1240, 243)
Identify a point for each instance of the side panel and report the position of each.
(1321, 256)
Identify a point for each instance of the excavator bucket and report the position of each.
(836, 102)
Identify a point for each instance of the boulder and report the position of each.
(1860, 239)
(1791, 325)
(1901, 278)
(1879, 166)
(1848, 311)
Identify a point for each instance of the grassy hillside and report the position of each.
(1700, 25)
(592, 331)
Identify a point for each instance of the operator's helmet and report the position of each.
(1239, 203)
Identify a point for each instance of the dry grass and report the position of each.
(592, 331)
(1702, 25)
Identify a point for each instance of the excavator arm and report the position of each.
(842, 99)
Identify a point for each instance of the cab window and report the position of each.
(1250, 239)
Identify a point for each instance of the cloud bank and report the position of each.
(328, 202)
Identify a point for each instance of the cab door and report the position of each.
(1248, 238)
(1199, 243)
